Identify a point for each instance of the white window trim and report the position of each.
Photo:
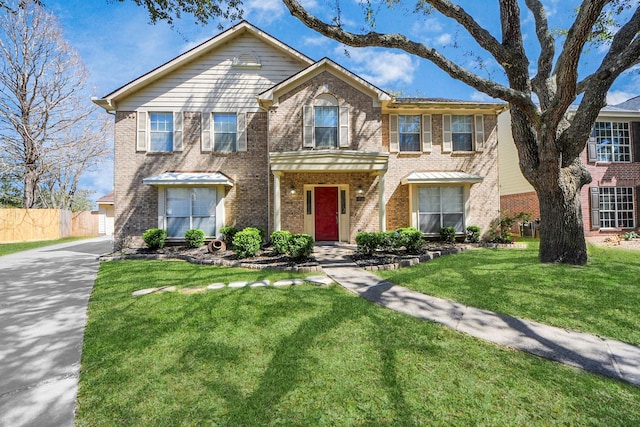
(478, 139)
(143, 131)
(414, 204)
(593, 152)
(220, 210)
(616, 211)
(308, 122)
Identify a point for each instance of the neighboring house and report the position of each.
(612, 157)
(106, 215)
(243, 130)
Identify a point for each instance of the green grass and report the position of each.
(601, 298)
(307, 356)
(10, 248)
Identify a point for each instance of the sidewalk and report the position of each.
(607, 357)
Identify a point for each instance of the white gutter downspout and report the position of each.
(381, 208)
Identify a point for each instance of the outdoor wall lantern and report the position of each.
(292, 190)
(360, 190)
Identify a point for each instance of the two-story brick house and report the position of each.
(612, 157)
(244, 130)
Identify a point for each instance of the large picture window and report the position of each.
(409, 133)
(613, 141)
(326, 127)
(462, 133)
(616, 207)
(440, 207)
(188, 208)
(225, 128)
(161, 131)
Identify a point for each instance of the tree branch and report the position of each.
(399, 41)
(547, 51)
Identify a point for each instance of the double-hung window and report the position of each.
(225, 127)
(440, 207)
(612, 142)
(462, 133)
(188, 208)
(616, 207)
(161, 132)
(409, 133)
(326, 126)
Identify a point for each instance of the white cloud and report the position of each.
(617, 96)
(264, 12)
(443, 39)
(481, 97)
(316, 41)
(381, 67)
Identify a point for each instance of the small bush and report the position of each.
(300, 246)
(390, 240)
(411, 238)
(263, 234)
(228, 233)
(368, 242)
(448, 234)
(194, 238)
(473, 234)
(630, 235)
(154, 238)
(280, 241)
(246, 243)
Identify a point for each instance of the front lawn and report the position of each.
(601, 298)
(307, 356)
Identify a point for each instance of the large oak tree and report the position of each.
(548, 144)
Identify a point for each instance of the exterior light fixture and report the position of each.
(360, 190)
(292, 190)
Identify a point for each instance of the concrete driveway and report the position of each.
(43, 306)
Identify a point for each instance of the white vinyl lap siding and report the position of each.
(212, 83)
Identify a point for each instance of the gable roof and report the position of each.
(108, 102)
(107, 199)
(270, 95)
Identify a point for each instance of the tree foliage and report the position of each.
(548, 140)
(48, 135)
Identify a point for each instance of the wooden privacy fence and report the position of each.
(24, 225)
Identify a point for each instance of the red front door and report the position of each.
(326, 221)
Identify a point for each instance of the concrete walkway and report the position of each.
(603, 356)
(43, 306)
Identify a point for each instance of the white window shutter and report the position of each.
(141, 142)
(426, 133)
(446, 133)
(344, 127)
(479, 132)
(205, 143)
(393, 133)
(307, 122)
(242, 131)
(177, 131)
(592, 150)
(594, 193)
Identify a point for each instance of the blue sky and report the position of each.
(118, 44)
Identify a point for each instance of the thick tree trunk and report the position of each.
(561, 228)
(30, 187)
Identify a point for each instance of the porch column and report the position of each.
(381, 208)
(276, 200)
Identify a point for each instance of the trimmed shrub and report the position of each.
(154, 238)
(300, 246)
(246, 243)
(390, 240)
(448, 234)
(280, 241)
(228, 233)
(194, 237)
(411, 238)
(473, 234)
(368, 242)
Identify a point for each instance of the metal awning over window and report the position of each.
(441, 178)
(187, 179)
